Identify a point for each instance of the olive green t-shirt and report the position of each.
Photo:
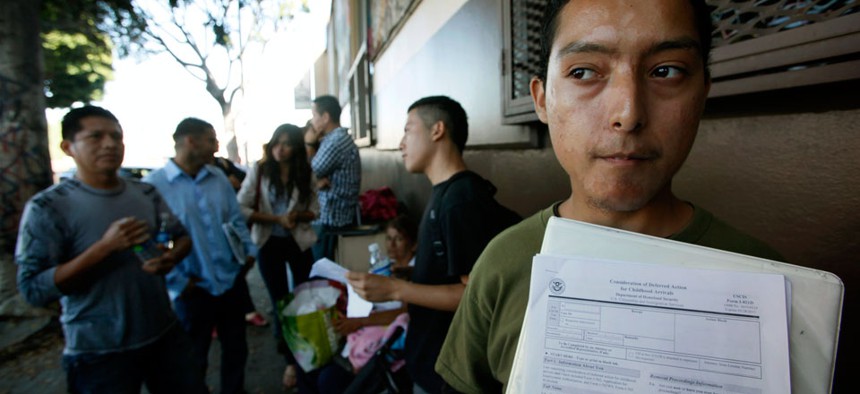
(479, 351)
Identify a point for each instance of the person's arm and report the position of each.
(326, 159)
(377, 288)
(122, 234)
(248, 192)
(171, 257)
(346, 325)
(237, 220)
(248, 195)
(312, 143)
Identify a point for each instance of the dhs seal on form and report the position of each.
(556, 286)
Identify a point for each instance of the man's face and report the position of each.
(318, 120)
(97, 148)
(624, 91)
(416, 143)
(205, 146)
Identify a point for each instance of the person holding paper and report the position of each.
(76, 245)
(460, 219)
(622, 85)
(365, 335)
(207, 287)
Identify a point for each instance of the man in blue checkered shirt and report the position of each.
(337, 167)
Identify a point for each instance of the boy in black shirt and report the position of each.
(460, 219)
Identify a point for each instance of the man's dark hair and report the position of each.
(328, 105)
(191, 126)
(71, 124)
(549, 27)
(442, 108)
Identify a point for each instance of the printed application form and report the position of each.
(597, 326)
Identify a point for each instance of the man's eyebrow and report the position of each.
(583, 47)
(684, 43)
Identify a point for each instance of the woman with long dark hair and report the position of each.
(278, 198)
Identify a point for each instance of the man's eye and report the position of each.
(668, 72)
(583, 73)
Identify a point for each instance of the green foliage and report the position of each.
(78, 37)
(76, 68)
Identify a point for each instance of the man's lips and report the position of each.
(109, 156)
(627, 157)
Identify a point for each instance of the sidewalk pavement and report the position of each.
(31, 349)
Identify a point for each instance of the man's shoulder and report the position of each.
(156, 176)
(54, 193)
(144, 187)
(708, 230)
(466, 186)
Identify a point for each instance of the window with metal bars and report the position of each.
(758, 45)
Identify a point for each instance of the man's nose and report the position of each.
(625, 106)
(110, 141)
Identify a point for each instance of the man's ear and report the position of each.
(438, 131)
(66, 146)
(538, 91)
(188, 140)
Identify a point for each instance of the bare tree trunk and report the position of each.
(230, 131)
(25, 165)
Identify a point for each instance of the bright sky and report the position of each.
(150, 96)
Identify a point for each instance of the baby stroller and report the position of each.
(376, 376)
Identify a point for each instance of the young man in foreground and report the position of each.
(622, 88)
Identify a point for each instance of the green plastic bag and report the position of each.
(306, 323)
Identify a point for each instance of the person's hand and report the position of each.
(373, 288)
(249, 263)
(323, 183)
(345, 325)
(125, 233)
(160, 265)
(288, 221)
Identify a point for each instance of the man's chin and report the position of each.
(622, 203)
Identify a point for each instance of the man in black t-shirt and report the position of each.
(460, 219)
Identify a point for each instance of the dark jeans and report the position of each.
(247, 302)
(274, 256)
(166, 366)
(200, 312)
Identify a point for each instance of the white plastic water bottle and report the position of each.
(378, 265)
(162, 237)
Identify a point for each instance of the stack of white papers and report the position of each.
(617, 312)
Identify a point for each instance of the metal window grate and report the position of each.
(525, 43)
(739, 20)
